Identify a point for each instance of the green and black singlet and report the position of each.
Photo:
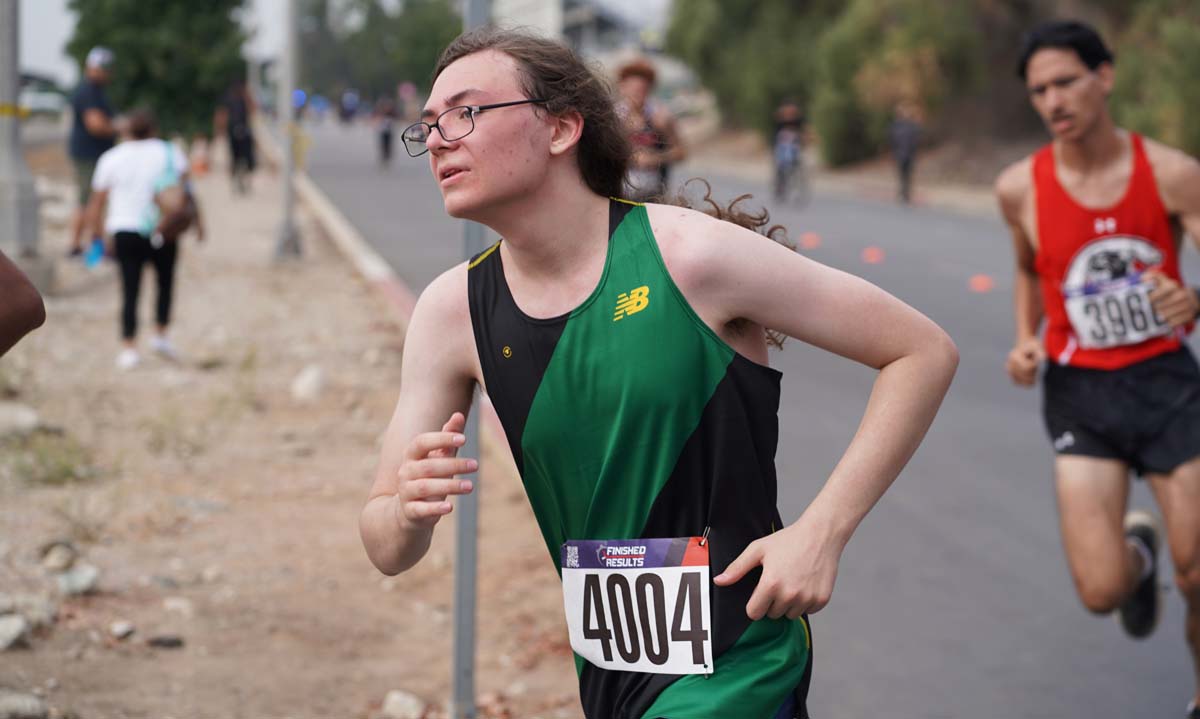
(630, 418)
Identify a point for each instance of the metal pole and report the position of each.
(462, 701)
(18, 196)
(288, 244)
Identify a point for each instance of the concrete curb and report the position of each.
(365, 260)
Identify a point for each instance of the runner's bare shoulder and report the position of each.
(690, 244)
(1014, 189)
(1177, 175)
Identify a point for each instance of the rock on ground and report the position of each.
(14, 705)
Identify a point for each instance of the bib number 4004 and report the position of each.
(644, 631)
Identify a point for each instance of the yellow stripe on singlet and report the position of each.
(484, 256)
(629, 202)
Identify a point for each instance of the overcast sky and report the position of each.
(46, 25)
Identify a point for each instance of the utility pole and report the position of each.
(19, 228)
(476, 13)
(288, 244)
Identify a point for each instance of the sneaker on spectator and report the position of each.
(164, 348)
(128, 359)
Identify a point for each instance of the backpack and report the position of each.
(176, 206)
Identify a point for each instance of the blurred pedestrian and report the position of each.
(905, 136)
(788, 153)
(93, 132)
(234, 118)
(385, 116)
(21, 308)
(651, 129)
(141, 192)
(1097, 218)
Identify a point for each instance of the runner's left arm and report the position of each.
(1178, 177)
(741, 274)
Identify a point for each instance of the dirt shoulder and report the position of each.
(221, 510)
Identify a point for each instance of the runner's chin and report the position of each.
(457, 197)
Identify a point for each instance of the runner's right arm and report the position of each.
(1013, 189)
(417, 465)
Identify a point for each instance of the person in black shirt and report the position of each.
(386, 115)
(905, 136)
(92, 133)
(787, 147)
(233, 118)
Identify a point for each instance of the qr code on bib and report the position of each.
(572, 556)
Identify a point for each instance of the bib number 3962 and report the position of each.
(1119, 315)
(640, 605)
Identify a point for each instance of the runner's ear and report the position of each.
(567, 129)
(1107, 77)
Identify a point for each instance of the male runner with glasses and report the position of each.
(623, 347)
(1097, 218)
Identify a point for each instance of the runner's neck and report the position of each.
(557, 237)
(1101, 148)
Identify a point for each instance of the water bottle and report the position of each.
(94, 254)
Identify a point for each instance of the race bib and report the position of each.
(1115, 314)
(639, 605)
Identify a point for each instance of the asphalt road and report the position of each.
(953, 598)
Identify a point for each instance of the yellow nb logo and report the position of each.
(630, 302)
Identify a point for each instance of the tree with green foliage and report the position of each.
(752, 54)
(175, 57)
(361, 44)
(852, 61)
(1158, 60)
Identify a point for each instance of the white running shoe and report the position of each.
(128, 359)
(164, 348)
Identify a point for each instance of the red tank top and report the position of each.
(1090, 264)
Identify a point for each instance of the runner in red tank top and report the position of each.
(1096, 218)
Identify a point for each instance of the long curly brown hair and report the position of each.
(736, 212)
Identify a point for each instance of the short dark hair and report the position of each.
(142, 123)
(1068, 35)
(551, 71)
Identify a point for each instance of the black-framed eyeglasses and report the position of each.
(453, 124)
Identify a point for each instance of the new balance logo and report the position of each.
(631, 302)
(1064, 442)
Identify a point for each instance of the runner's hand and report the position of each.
(1172, 301)
(426, 478)
(1024, 360)
(798, 572)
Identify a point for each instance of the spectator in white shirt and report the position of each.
(124, 188)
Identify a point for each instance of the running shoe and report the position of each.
(1139, 614)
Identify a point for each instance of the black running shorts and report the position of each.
(1146, 415)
